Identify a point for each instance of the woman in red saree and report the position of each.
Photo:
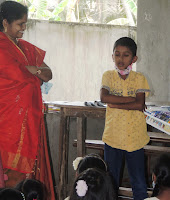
(23, 145)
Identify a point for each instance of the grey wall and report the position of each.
(1, 1)
(78, 54)
(153, 38)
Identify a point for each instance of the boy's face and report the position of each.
(123, 57)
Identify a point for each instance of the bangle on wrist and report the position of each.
(38, 71)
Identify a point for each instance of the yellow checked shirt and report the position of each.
(125, 129)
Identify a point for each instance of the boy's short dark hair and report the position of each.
(127, 42)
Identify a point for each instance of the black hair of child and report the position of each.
(98, 186)
(127, 42)
(92, 161)
(11, 11)
(32, 189)
(162, 173)
(11, 194)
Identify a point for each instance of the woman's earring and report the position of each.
(5, 29)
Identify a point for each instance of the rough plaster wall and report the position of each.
(78, 54)
(153, 40)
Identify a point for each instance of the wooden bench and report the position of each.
(159, 137)
(99, 145)
(126, 193)
(149, 149)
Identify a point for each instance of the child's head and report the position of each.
(11, 194)
(32, 189)
(93, 184)
(126, 42)
(161, 174)
(124, 52)
(89, 161)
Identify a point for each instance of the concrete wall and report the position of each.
(78, 54)
(153, 38)
(1, 1)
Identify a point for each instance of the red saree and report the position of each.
(21, 116)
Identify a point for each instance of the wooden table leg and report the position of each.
(81, 135)
(67, 149)
(63, 155)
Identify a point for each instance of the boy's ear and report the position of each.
(113, 57)
(134, 59)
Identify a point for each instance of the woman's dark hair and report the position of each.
(127, 42)
(32, 189)
(11, 194)
(93, 184)
(92, 161)
(11, 11)
(162, 173)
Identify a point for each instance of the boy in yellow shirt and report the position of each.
(125, 132)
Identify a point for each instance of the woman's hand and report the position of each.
(43, 72)
(32, 69)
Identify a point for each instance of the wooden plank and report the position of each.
(81, 135)
(123, 191)
(85, 112)
(96, 144)
(127, 192)
(63, 155)
(149, 149)
(159, 137)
